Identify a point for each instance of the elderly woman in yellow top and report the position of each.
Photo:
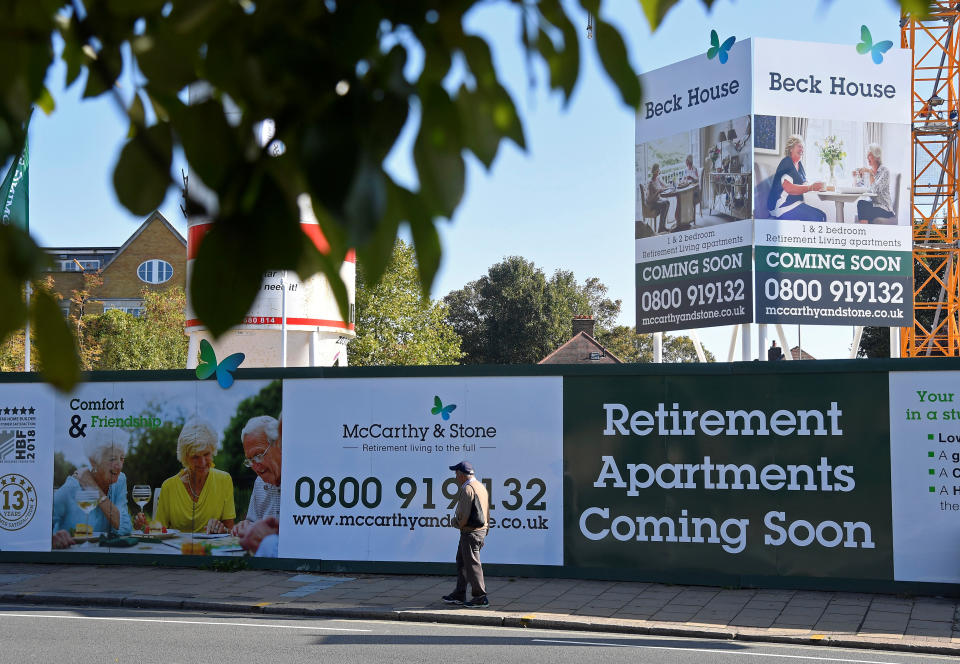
(199, 498)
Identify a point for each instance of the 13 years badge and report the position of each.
(18, 501)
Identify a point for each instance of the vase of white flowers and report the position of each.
(832, 154)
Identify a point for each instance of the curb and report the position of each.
(485, 619)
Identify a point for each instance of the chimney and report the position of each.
(583, 324)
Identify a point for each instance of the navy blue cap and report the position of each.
(464, 467)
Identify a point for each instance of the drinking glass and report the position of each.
(141, 495)
(87, 499)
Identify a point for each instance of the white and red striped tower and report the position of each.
(299, 317)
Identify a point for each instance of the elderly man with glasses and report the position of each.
(261, 438)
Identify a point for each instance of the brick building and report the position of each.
(582, 348)
(154, 257)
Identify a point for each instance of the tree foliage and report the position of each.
(335, 75)
(245, 62)
(396, 324)
(42, 347)
(269, 401)
(152, 457)
(154, 340)
(624, 342)
(514, 314)
(62, 469)
(80, 318)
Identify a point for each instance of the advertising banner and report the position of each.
(832, 274)
(371, 458)
(832, 176)
(26, 466)
(925, 480)
(687, 475)
(695, 279)
(693, 186)
(719, 474)
(158, 466)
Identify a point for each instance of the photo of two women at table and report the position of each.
(824, 170)
(200, 476)
(694, 179)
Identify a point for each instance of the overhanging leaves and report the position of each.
(142, 174)
(613, 55)
(55, 342)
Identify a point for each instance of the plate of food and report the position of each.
(197, 547)
(156, 531)
(90, 537)
(84, 533)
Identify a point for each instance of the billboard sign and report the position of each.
(693, 186)
(816, 149)
(831, 194)
(682, 475)
(372, 478)
(701, 474)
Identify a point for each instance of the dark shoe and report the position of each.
(453, 599)
(477, 602)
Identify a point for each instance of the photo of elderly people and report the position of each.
(174, 469)
(839, 171)
(694, 179)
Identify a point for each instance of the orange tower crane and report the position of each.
(935, 44)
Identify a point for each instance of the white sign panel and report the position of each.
(695, 92)
(370, 478)
(26, 466)
(925, 475)
(830, 81)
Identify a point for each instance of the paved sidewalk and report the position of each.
(921, 624)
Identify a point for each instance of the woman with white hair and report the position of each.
(199, 498)
(790, 184)
(105, 449)
(880, 206)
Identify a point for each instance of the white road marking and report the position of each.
(712, 651)
(184, 622)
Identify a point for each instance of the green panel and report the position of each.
(699, 267)
(863, 444)
(834, 261)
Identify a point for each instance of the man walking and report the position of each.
(470, 517)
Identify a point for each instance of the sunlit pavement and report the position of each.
(920, 624)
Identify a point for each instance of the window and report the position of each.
(133, 306)
(132, 310)
(70, 265)
(155, 271)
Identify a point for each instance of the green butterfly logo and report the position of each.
(877, 50)
(208, 365)
(440, 409)
(717, 50)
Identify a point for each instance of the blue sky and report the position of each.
(565, 203)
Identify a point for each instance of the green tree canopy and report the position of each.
(154, 340)
(152, 456)
(514, 314)
(396, 324)
(341, 79)
(269, 401)
(244, 62)
(624, 342)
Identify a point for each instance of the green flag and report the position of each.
(14, 192)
